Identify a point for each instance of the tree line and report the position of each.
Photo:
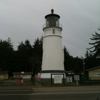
(28, 57)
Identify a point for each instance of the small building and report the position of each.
(4, 75)
(69, 76)
(70, 72)
(94, 73)
(22, 75)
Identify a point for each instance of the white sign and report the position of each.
(57, 78)
(69, 79)
(26, 76)
(76, 77)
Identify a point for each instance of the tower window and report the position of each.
(53, 31)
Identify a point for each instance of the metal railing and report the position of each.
(47, 26)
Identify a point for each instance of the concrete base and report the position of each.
(47, 75)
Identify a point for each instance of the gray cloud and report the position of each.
(23, 19)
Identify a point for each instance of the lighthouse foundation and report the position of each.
(50, 75)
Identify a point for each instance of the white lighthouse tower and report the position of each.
(53, 55)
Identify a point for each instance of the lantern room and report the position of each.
(52, 20)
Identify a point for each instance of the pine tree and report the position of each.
(6, 55)
(95, 49)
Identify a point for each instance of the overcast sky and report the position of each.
(23, 19)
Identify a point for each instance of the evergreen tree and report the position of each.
(93, 54)
(68, 60)
(91, 61)
(95, 49)
(6, 55)
(36, 60)
(24, 53)
(72, 63)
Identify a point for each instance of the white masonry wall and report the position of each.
(53, 55)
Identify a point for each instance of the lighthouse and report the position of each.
(53, 54)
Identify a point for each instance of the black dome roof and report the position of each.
(52, 14)
(49, 15)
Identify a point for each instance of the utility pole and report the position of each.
(83, 66)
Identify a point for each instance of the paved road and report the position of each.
(50, 93)
(91, 96)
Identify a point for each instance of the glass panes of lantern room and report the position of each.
(52, 21)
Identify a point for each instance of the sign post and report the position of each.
(76, 78)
